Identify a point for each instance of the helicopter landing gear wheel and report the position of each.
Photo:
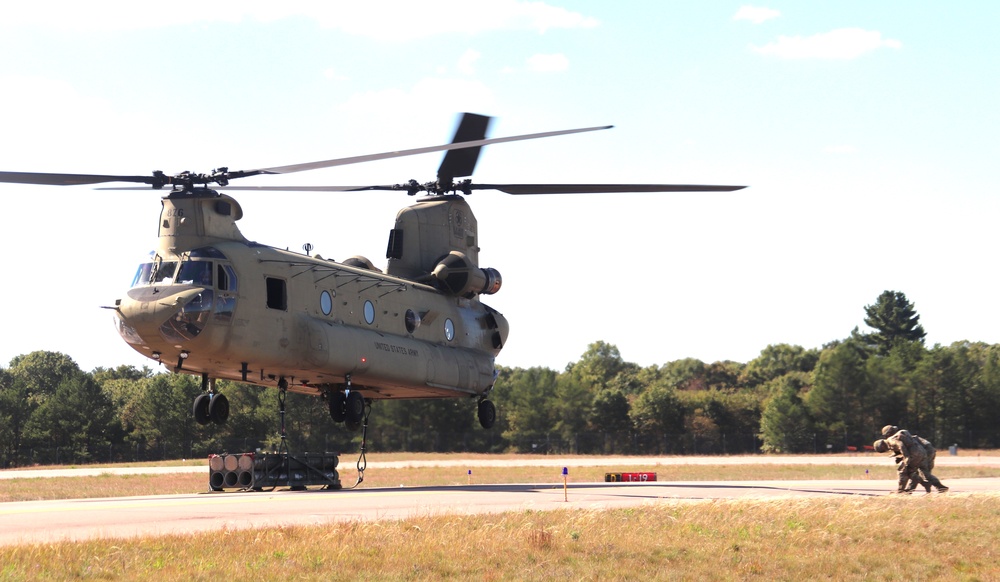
(200, 409)
(338, 404)
(487, 413)
(218, 409)
(354, 409)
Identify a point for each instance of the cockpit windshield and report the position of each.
(157, 271)
(193, 269)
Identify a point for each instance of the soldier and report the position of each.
(913, 461)
(905, 465)
(930, 455)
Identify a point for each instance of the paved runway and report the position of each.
(546, 461)
(81, 519)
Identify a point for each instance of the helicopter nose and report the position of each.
(152, 314)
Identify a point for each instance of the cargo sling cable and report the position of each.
(362, 461)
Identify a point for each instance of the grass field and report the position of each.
(950, 537)
(933, 537)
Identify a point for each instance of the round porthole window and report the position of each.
(326, 302)
(449, 329)
(411, 320)
(369, 312)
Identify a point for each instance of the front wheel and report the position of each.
(487, 413)
(338, 403)
(354, 408)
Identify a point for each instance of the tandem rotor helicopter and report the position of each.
(210, 302)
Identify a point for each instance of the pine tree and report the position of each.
(894, 320)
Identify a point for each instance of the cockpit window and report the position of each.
(225, 278)
(155, 272)
(207, 253)
(195, 273)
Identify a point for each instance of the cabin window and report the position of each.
(326, 302)
(449, 329)
(277, 297)
(412, 320)
(369, 312)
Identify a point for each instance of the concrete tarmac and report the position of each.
(84, 519)
(861, 459)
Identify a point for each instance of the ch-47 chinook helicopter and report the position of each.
(211, 302)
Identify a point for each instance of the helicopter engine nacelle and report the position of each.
(457, 275)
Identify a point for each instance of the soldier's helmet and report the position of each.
(881, 446)
(889, 429)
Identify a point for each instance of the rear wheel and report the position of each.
(200, 408)
(218, 408)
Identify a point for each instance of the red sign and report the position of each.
(630, 477)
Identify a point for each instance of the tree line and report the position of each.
(787, 400)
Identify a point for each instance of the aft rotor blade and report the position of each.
(302, 188)
(411, 152)
(462, 162)
(69, 179)
(601, 188)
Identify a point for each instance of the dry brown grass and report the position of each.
(885, 538)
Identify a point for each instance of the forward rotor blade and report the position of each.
(69, 179)
(517, 189)
(160, 180)
(601, 188)
(412, 152)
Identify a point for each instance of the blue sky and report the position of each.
(866, 133)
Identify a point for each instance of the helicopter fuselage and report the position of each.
(210, 302)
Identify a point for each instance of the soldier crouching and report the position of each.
(913, 462)
(900, 439)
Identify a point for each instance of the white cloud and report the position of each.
(466, 62)
(548, 63)
(430, 96)
(843, 43)
(380, 19)
(755, 14)
(389, 20)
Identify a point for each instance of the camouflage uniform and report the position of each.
(925, 468)
(914, 461)
(907, 459)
